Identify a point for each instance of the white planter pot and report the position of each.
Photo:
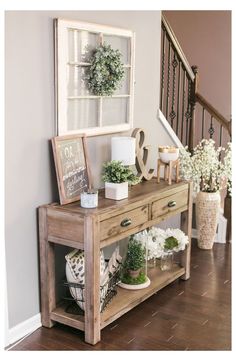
(207, 213)
(168, 154)
(116, 191)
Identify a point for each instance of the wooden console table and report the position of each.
(91, 229)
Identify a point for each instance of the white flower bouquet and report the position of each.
(158, 242)
(206, 167)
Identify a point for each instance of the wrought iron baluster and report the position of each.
(188, 111)
(168, 81)
(203, 121)
(183, 104)
(221, 133)
(220, 140)
(163, 68)
(211, 130)
(173, 113)
(178, 97)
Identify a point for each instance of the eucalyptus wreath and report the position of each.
(106, 70)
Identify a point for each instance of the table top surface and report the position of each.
(140, 192)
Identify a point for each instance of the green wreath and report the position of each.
(106, 70)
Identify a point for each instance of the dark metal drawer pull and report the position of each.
(172, 204)
(126, 222)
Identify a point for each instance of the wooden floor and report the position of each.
(186, 315)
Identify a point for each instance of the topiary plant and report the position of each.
(135, 257)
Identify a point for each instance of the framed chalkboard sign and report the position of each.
(71, 162)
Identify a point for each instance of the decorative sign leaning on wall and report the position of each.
(87, 101)
(73, 176)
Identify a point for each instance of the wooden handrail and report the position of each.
(178, 48)
(215, 114)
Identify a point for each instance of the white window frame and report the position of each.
(61, 64)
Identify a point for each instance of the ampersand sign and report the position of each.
(142, 155)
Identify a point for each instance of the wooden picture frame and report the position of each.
(77, 109)
(72, 169)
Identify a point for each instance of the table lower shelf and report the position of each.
(124, 301)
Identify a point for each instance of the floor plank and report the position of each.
(186, 315)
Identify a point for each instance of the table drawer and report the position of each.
(118, 224)
(169, 204)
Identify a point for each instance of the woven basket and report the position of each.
(207, 212)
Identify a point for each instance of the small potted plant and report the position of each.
(135, 258)
(117, 177)
(133, 275)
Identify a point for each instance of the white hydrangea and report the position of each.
(141, 237)
(154, 240)
(181, 237)
(204, 167)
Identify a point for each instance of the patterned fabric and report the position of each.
(75, 262)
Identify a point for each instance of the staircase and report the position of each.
(190, 115)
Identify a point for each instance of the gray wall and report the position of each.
(30, 178)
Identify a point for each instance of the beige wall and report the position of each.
(30, 177)
(205, 37)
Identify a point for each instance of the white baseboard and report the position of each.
(23, 329)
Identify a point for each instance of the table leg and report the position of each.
(186, 226)
(47, 271)
(92, 280)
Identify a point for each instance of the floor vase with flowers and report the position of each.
(207, 212)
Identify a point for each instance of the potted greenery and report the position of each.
(117, 177)
(135, 258)
(133, 275)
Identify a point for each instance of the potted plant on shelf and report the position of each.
(117, 177)
(133, 276)
(210, 172)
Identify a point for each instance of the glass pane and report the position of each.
(124, 85)
(82, 113)
(81, 43)
(114, 111)
(121, 43)
(76, 82)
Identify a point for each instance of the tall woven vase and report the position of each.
(207, 212)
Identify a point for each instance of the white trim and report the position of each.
(169, 129)
(95, 28)
(101, 130)
(6, 322)
(221, 232)
(23, 329)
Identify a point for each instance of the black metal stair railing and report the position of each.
(189, 114)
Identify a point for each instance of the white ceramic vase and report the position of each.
(207, 213)
(116, 191)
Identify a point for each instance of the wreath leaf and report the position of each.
(106, 70)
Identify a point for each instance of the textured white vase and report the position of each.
(116, 191)
(207, 213)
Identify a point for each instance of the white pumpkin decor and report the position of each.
(75, 262)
